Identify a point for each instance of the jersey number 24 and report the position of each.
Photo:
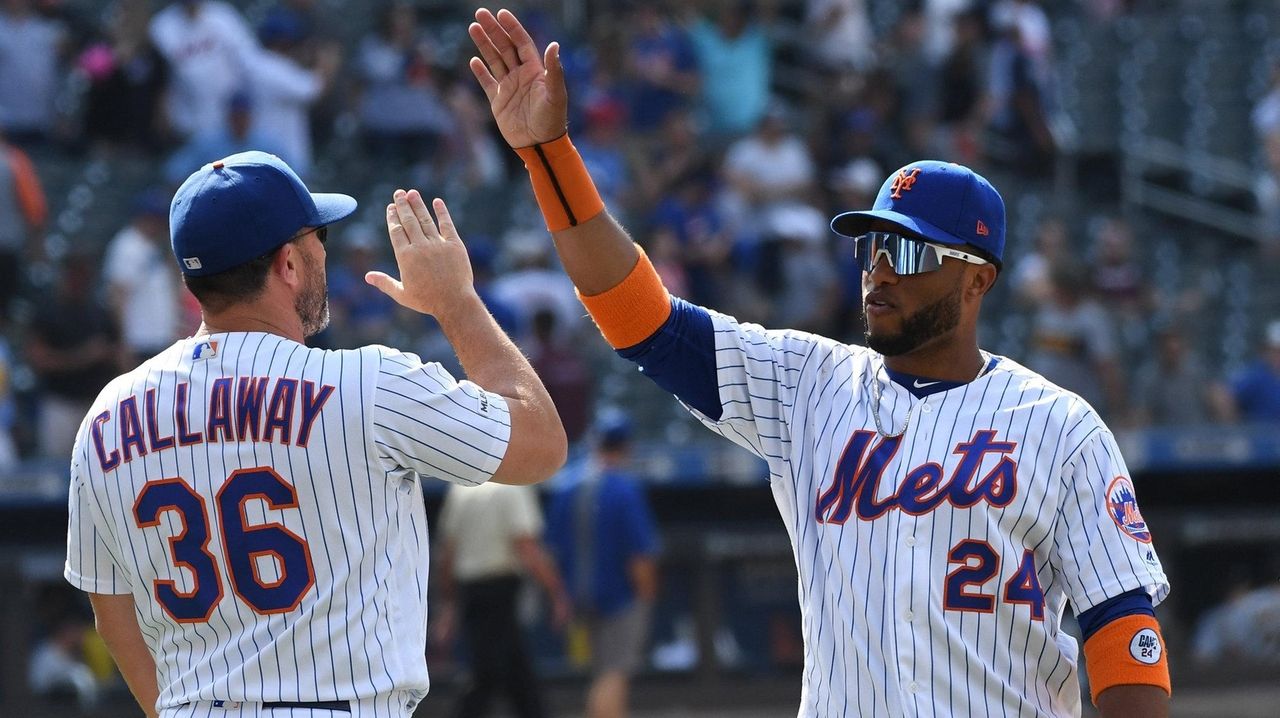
(242, 545)
(979, 563)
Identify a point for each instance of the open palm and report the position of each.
(526, 92)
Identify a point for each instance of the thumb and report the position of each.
(555, 74)
(386, 284)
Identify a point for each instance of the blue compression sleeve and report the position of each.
(1126, 604)
(681, 358)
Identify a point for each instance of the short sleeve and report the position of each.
(120, 266)
(523, 517)
(426, 421)
(91, 561)
(758, 371)
(281, 78)
(1102, 545)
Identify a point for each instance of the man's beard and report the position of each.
(931, 322)
(312, 303)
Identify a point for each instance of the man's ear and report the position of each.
(982, 277)
(287, 265)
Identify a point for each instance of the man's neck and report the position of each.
(960, 362)
(247, 320)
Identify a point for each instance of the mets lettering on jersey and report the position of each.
(934, 566)
(260, 501)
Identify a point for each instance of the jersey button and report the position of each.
(926, 408)
(908, 615)
(913, 686)
(910, 541)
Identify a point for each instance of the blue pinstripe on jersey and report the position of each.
(796, 399)
(361, 630)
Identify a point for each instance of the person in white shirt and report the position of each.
(284, 89)
(492, 538)
(142, 285)
(208, 46)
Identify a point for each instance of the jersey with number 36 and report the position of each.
(934, 567)
(260, 501)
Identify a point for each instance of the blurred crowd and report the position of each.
(723, 132)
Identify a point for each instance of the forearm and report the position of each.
(139, 671)
(486, 354)
(492, 361)
(643, 571)
(444, 574)
(118, 625)
(597, 254)
(1134, 702)
(540, 567)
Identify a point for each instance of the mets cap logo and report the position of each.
(1123, 507)
(903, 182)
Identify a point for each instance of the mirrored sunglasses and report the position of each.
(905, 255)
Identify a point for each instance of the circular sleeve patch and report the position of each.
(1123, 507)
(1145, 647)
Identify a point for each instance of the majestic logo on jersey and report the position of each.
(903, 182)
(862, 465)
(1123, 507)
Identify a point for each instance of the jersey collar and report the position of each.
(922, 386)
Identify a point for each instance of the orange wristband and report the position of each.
(566, 195)
(632, 311)
(1127, 651)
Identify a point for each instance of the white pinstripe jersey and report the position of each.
(934, 568)
(260, 500)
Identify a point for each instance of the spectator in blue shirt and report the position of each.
(603, 537)
(1253, 394)
(736, 51)
(660, 67)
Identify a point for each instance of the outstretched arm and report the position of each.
(672, 341)
(436, 279)
(527, 95)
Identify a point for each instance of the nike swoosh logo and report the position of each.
(920, 385)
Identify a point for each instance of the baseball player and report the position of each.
(246, 512)
(943, 503)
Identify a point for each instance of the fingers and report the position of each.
(488, 51)
(419, 209)
(526, 51)
(408, 218)
(386, 284)
(395, 230)
(499, 39)
(447, 230)
(484, 77)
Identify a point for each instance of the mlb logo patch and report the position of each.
(191, 262)
(1123, 507)
(205, 350)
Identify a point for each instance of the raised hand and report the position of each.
(435, 272)
(526, 91)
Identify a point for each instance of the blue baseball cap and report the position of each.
(943, 202)
(240, 208)
(613, 429)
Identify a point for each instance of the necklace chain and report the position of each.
(875, 400)
(875, 411)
